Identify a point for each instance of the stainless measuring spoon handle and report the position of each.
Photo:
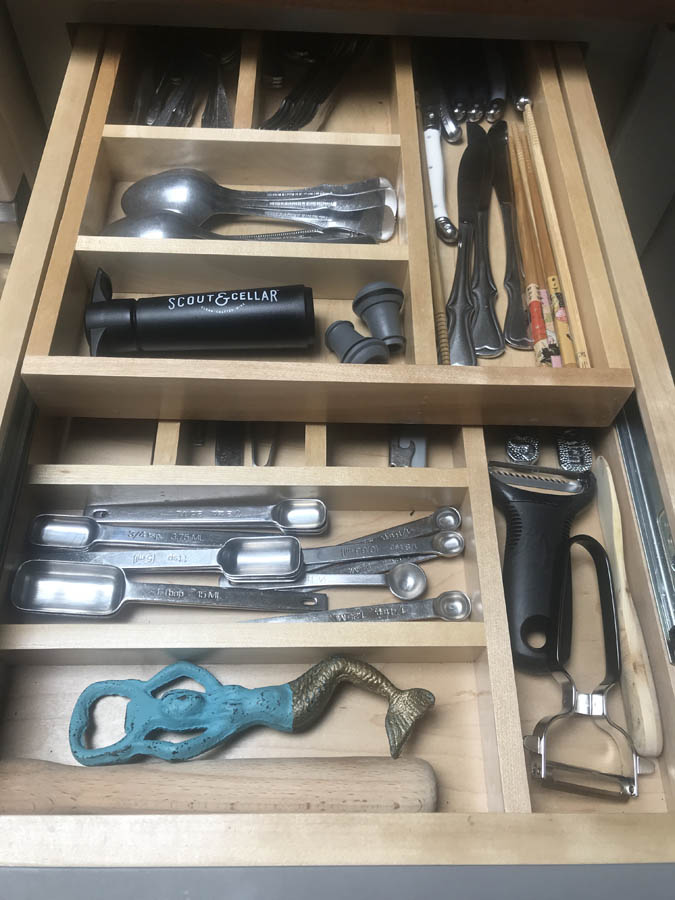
(320, 579)
(405, 611)
(369, 550)
(150, 513)
(369, 566)
(45, 533)
(207, 515)
(220, 598)
(445, 518)
(193, 559)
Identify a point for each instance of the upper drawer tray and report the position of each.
(379, 136)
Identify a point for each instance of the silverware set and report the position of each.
(179, 202)
(255, 550)
(178, 74)
(309, 101)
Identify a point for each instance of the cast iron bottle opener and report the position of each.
(214, 715)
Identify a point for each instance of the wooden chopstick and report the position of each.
(555, 235)
(527, 248)
(562, 329)
(546, 305)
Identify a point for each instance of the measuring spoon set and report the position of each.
(266, 571)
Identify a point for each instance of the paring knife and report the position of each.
(460, 308)
(517, 322)
(430, 99)
(488, 338)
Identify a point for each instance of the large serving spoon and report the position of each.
(173, 225)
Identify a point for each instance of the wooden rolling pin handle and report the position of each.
(350, 784)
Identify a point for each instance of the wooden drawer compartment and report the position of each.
(472, 739)
(65, 380)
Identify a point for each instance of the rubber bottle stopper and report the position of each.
(351, 347)
(378, 304)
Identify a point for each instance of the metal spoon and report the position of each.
(198, 197)
(407, 581)
(260, 558)
(292, 516)
(453, 606)
(173, 225)
(47, 586)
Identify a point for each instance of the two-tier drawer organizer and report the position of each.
(123, 429)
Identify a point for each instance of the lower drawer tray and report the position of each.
(487, 810)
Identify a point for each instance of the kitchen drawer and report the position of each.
(128, 432)
(378, 136)
(487, 811)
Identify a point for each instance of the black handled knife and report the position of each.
(460, 308)
(517, 322)
(488, 338)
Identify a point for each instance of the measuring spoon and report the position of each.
(261, 558)
(453, 606)
(407, 581)
(85, 532)
(443, 543)
(294, 516)
(72, 589)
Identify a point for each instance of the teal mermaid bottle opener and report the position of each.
(220, 711)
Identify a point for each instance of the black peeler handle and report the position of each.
(535, 558)
(560, 643)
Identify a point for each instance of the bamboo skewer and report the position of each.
(546, 300)
(555, 235)
(551, 280)
(527, 245)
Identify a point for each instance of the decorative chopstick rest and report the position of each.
(195, 321)
(220, 711)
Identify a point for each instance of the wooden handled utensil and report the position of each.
(637, 683)
(552, 281)
(574, 319)
(527, 242)
(546, 307)
(351, 784)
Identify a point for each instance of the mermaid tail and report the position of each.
(313, 690)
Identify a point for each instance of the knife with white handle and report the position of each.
(637, 682)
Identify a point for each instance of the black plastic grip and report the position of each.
(561, 638)
(535, 563)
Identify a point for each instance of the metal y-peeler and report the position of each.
(580, 779)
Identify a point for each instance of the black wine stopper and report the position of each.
(378, 304)
(351, 347)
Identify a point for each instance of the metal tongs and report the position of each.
(593, 705)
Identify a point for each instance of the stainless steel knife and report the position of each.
(517, 322)
(460, 307)
(488, 338)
